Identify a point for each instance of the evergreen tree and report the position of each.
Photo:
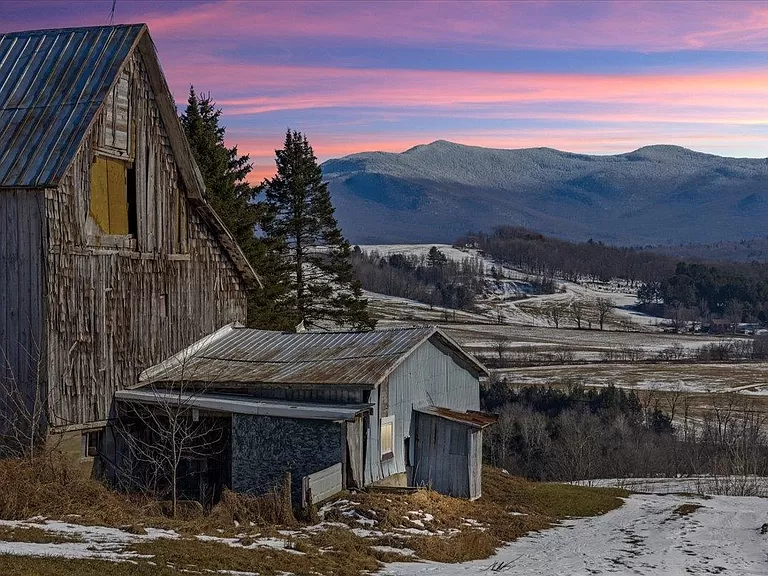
(225, 174)
(436, 258)
(322, 282)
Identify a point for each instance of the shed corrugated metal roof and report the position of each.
(471, 418)
(52, 83)
(244, 404)
(240, 355)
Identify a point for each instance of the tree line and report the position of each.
(432, 279)
(736, 292)
(580, 434)
(541, 255)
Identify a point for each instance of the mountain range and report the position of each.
(655, 195)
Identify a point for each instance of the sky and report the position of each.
(590, 77)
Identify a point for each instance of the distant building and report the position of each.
(110, 258)
(397, 407)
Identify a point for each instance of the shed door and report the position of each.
(355, 458)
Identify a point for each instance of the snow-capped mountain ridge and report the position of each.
(652, 195)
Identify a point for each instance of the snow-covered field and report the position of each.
(647, 536)
(504, 297)
(749, 379)
(712, 485)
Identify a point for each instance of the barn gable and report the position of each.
(57, 85)
(110, 257)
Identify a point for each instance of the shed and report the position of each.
(448, 449)
(387, 378)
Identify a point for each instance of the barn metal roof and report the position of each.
(233, 404)
(235, 354)
(52, 83)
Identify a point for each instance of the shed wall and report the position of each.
(22, 268)
(264, 448)
(442, 455)
(117, 308)
(429, 376)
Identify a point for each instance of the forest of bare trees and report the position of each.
(537, 254)
(580, 434)
(432, 279)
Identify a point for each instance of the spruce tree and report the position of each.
(322, 284)
(225, 174)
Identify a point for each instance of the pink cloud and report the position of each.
(256, 88)
(646, 26)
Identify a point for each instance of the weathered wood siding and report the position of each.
(429, 376)
(116, 307)
(442, 453)
(22, 267)
(475, 464)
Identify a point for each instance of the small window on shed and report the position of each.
(387, 440)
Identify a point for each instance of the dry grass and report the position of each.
(457, 530)
(35, 535)
(350, 556)
(540, 505)
(50, 486)
(32, 566)
(687, 508)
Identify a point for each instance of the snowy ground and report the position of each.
(751, 379)
(646, 536)
(719, 485)
(504, 297)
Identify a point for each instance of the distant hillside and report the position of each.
(654, 195)
(752, 250)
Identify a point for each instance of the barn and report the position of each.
(397, 407)
(111, 259)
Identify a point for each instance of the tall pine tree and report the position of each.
(225, 174)
(322, 285)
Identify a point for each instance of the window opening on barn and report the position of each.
(133, 224)
(387, 439)
(89, 443)
(113, 174)
(110, 207)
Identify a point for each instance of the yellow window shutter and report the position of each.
(99, 208)
(118, 197)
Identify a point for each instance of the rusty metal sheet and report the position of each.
(471, 418)
(235, 355)
(52, 83)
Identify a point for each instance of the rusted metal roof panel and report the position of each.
(471, 418)
(52, 83)
(240, 355)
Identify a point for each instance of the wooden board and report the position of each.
(99, 205)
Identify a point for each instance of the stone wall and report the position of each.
(265, 447)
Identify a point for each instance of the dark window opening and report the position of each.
(133, 224)
(90, 443)
(407, 450)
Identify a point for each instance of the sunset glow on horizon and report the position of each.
(591, 77)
